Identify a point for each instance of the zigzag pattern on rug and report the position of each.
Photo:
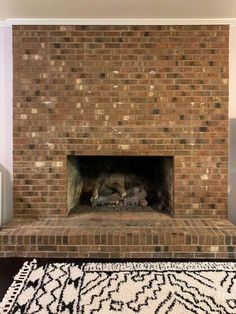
(123, 288)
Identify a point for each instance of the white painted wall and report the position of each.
(232, 124)
(6, 122)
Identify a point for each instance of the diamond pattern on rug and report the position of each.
(123, 288)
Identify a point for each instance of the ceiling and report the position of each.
(117, 9)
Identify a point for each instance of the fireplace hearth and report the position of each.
(120, 183)
(131, 120)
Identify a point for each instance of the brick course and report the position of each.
(121, 90)
(94, 235)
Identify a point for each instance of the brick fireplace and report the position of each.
(122, 92)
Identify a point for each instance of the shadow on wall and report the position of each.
(232, 170)
(7, 196)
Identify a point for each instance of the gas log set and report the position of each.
(117, 190)
(120, 182)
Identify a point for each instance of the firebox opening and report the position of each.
(134, 183)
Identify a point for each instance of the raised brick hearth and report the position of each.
(120, 235)
(120, 91)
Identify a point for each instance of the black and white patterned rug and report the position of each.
(150, 287)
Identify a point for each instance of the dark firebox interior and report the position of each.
(147, 182)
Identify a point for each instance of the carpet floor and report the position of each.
(123, 287)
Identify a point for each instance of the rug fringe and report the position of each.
(160, 266)
(17, 285)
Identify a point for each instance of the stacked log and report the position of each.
(136, 196)
(110, 190)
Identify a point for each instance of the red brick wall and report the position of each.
(121, 90)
